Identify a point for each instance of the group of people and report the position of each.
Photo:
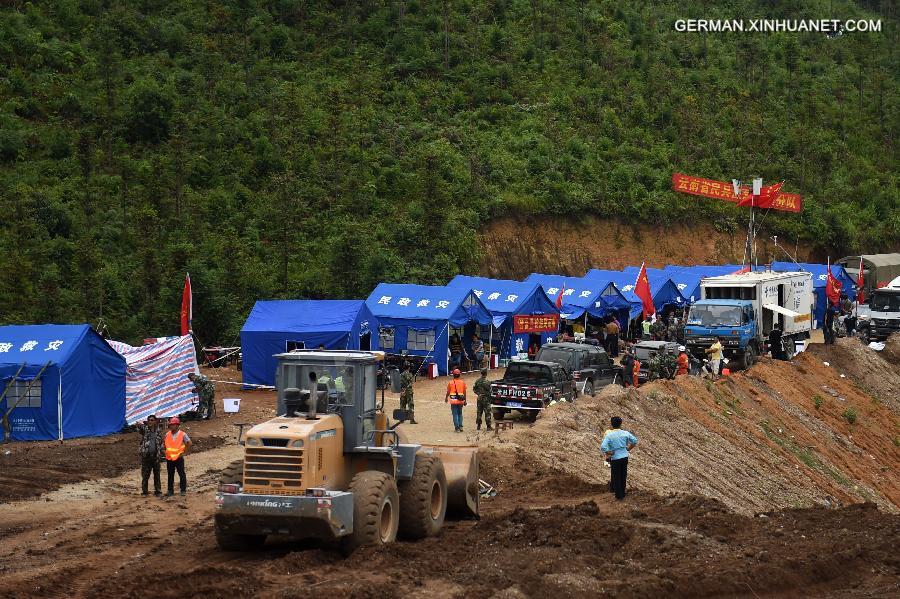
(458, 352)
(837, 317)
(171, 447)
(456, 396)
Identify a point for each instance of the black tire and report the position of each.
(233, 474)
(423, 499)
(499, 414)
(376, 510)
(589, 388)
(530, 415)
(747, 358)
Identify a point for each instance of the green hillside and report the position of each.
(311, 149)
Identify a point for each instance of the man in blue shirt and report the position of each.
(616, 445)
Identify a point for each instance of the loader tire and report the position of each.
(376, 511)
(423, 499)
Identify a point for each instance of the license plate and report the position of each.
(514, 404)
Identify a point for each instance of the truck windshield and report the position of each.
(710, 315)
(886, 302)
(519, 372)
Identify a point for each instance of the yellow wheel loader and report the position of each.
(332, 467)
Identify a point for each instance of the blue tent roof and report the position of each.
(398, 301)
(272, 324)
(594, 296)
(661, 286)
(81, 393)
(504, 297)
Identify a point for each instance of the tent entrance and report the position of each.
(365, 342)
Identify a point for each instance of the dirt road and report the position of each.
(706, 515)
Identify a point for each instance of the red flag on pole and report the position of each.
(832, 288)
(187, 306)
(560, 296)
(765, 198)
(860, 283)
(642, 290)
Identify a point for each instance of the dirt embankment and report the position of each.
(516, 247)
(780, 435)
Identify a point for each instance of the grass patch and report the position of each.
(818, 401)
(849, 415)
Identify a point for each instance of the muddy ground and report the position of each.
(741, 488)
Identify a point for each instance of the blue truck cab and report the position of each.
(731, 320)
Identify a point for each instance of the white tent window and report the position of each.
(17, 390)
(420, 340)
(386, 338)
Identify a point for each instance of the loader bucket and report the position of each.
(461, 468)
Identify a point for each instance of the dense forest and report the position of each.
(309, 148)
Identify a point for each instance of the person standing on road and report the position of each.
(828, 329)
(684, 363)
(477, 350)
(714, 352)
(612, 338)
(151, 452)
(456, 395)
(482, 388)
(406, 392)
(177, 443)
(616, 446)
(775, 343)
(206, 393)
(645, 327)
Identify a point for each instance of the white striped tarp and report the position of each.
(156, 381)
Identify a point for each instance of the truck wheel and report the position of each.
(423, 499)
(530, 415)
(589, 388)
(747, 358)
(499, 414)
(376, 510)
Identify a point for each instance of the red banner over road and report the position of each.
(722, 190)
(535, 323)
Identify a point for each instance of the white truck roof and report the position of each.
(750, 279)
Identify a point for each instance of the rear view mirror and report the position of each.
(401, 415)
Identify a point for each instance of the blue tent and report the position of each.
(664, 291)
(417, 319)
(820, 277)
(505, 299)
(276, 326)
(595, 296)
(80, 394)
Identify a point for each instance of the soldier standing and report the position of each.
(482, 389)
(151, 452)
(206, 393)
(406, 393)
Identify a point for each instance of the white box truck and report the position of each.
(741, 310)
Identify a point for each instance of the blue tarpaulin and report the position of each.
(664, 291)
(597, 297)
(81, 393)
(506, 299)
(417, 318)
(275, 326)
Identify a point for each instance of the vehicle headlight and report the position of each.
(297, 443)
(253, 442)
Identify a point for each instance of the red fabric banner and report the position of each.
(722, 190)
(860, 283)
(535, 323)
(833, 288)
(187, 306)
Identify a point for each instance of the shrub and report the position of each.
(849, 415)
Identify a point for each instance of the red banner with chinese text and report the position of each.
(722, 190)
(535, 323)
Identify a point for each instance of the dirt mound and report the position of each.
(875, 373)
(515, 247)
(891, 352)
(780, 435)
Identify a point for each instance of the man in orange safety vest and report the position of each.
(176, 443)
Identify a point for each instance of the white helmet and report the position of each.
(681, 348)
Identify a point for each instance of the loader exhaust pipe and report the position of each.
(313, 396)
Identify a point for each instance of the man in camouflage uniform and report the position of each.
(406, 393)
(151, 452)
(206, 393)
(658, 330)
(662, 366)
(482, 389)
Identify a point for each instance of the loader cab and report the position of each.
(345, 385)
